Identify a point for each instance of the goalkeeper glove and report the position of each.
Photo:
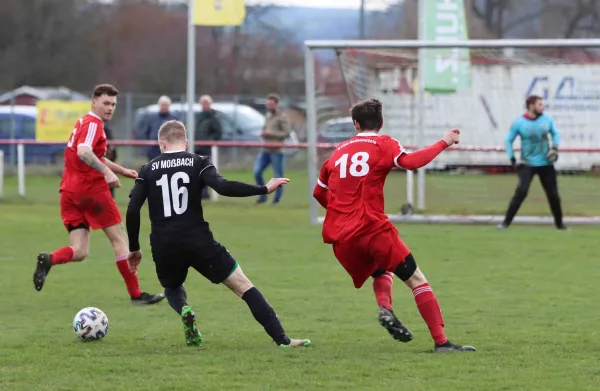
(552, 154)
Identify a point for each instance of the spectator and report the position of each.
(154, 122)
(208, 127)
(277, 129)
(111, 151)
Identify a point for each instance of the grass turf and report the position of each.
(526, 298)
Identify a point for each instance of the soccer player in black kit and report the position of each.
(180, 237)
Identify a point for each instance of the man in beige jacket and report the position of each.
(277, 129)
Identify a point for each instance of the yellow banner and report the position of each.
(219, 12)
(56, 119)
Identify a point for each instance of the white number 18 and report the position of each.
(358, 164)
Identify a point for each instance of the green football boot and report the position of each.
(296, 343)
(190, 328)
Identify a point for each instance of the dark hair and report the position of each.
(531, 100)
(368, 114)
(274, 97)
(172, 131)
(105, 89)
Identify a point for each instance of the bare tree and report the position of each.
(541, 18)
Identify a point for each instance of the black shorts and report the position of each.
(172, 261)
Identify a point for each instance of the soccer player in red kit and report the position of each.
(365, 242)
(85, 198)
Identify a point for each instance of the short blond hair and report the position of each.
(172, 131)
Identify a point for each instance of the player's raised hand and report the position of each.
(112, 180)
(133, 260)
(132, 174)
(452, 136)
(274, 183)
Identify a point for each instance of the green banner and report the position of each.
(444, 70)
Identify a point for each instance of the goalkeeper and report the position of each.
(537, 157)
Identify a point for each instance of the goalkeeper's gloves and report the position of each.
(552, 154)
(513, 161)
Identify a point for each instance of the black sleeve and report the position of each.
(137, 197)
(217, 128)
(108, 132)
(227, 188)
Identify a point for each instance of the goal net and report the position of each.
(472, 182)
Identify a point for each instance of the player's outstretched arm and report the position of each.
(118, 169)
(228, 188)
(422, 157)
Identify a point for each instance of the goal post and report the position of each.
(565, 72)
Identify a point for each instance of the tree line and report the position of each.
(140, 45)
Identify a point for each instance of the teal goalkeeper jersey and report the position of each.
(534, 134)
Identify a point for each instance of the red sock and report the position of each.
(131, 280)
(382, 286)
(63, 255)
(430, 312)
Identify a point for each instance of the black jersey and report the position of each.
(173, 184)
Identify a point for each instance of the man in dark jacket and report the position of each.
(208, 128)
(154, 121)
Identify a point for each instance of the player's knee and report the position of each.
(521, 192)
(406, 270)
(79, 254)
(418, 278)
(238, 282)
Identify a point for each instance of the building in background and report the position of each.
(28, 96)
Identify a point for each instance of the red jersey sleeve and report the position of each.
(89, 134)
(394, 151)
(323, 180)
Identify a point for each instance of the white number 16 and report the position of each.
(358, 164)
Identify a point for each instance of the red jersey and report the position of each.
(78, 177)
(354, 175)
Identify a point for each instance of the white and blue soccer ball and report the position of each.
(90, 324)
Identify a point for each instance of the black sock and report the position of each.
(177, 298)
(265, 315)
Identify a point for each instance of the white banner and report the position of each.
(497, 96)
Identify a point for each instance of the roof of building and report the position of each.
(44, 93)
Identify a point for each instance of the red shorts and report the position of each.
(96, 210)
(361, 258)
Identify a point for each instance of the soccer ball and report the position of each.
(90, 324)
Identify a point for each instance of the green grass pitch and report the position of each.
(526, 298)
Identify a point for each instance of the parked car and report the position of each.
(240, 122)
(334, 131)
(18, 122)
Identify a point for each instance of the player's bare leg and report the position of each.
(118, 239)
(382, 287)
(428, 305)
(76, 252)
(262, 311)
